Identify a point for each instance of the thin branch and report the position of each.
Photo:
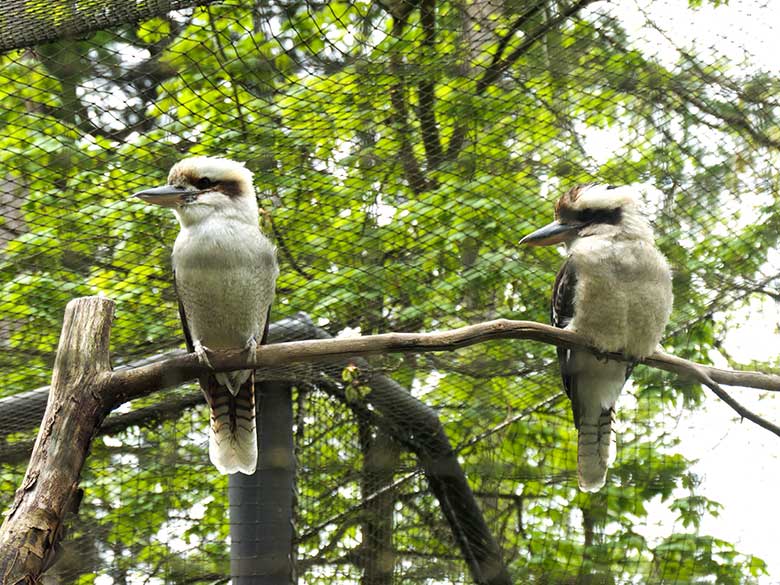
(704, 375)
(721, 111)
(509, 421)
(497, 68)
(282, 243)
(222, 61)
(168, 409)
(363, 503)
(501, 64)
(519, 22)
(129, 384)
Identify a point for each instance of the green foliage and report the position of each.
(376, 232)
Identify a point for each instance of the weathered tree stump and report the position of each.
(77, 404)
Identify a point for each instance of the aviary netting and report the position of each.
(400, 151)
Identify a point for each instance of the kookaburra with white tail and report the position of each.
(225, 275)
(614, 289)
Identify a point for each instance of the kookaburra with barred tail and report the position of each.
(225, 275)
(614, 289)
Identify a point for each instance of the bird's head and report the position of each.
(201, 188)
(592, 210)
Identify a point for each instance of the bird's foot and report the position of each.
(203, 358)
(250, 347)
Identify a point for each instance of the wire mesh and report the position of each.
(400, 151)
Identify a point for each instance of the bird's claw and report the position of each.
(250, 348)
(203, 358)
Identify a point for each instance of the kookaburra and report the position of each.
(615, 289)
(225, 275)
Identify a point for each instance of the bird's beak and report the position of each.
(553, 233)
(167, 195)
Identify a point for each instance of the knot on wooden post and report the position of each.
(77, 404)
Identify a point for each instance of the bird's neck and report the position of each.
(634, 226)
(217, 238)
(220, 232)
(198, 216)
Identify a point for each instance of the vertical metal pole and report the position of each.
(261, 505)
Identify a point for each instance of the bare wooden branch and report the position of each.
(704, 375)
(76, 407)
(130, 384)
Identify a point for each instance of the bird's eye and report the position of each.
(204, 183)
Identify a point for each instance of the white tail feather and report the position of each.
(233, 435)
(233, 380)
(233, 452)
(595, 451)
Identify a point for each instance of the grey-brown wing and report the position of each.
(561, 314)
(264, 338)
(183, 318)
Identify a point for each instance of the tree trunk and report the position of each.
(380, 459)
(30, 535)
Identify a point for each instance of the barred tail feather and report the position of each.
(595, 451)
(233, 438)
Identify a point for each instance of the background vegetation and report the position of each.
(400, 151)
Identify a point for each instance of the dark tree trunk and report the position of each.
(380, 459)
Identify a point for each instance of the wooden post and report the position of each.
(30, 535)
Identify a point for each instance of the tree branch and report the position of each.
(170, 370)
(282, 244)
(130, 384)
(168, 409)
(141, 381)
(400, 119)
(501, 64)
(519, 22)
(426, 88)
(705, 375)
(222, 60)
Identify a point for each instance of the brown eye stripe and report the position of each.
(590, 216)
(230, 188)
(203, 183)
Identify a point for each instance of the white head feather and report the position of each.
(603, 197)
(224, 189)
(632, 224)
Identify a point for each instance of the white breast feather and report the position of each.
(623, 296)
(225, 277)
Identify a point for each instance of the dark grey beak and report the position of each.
(167, 195)
(553, 233)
